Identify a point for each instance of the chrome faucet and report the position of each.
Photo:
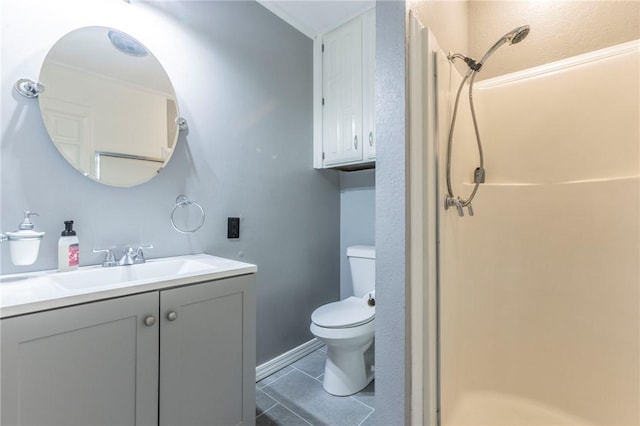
(133, 257)
(130, 256)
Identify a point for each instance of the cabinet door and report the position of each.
(91, 364)
(342, 137)
(368, 84)
(207, 353)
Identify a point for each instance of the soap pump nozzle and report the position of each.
(26, 224)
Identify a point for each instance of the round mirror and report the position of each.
(108, 106)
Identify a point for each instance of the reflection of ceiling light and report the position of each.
(127, 44)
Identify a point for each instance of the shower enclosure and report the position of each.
(531, 306)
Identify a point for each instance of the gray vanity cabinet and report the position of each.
(180, 356)
(91, 364)
(207, 353)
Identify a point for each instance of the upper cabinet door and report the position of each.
(344, 98)
(368, 84)
(342, 136)
(92, 364)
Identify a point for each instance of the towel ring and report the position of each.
(183, 202)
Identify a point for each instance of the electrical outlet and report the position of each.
(233, 227)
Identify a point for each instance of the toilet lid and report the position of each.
(349, 312)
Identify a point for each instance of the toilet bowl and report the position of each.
(347, 328)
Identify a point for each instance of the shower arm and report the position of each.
(471, 63)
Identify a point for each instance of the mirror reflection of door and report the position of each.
(69, 126)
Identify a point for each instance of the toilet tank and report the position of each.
(362, 261)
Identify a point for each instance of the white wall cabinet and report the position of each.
(182, 356)
(345, 135)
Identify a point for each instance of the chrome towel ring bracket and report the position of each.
(181, 203)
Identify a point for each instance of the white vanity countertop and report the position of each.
(42, 290)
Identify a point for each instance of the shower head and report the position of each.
(512, 37)
(518, 34)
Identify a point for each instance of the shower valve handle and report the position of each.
(455, 201)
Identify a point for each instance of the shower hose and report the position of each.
(479, 174)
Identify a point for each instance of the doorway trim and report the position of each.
(422, 226)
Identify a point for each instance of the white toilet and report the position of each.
(347, 328)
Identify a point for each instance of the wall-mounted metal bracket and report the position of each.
(29, 88)
(182, 123)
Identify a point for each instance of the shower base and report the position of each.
(488, 408)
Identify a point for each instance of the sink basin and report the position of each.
(152, 270)
(42, 290)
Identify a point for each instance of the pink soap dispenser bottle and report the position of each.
(68, 248)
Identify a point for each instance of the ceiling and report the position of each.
(313, 17)
(90, 51)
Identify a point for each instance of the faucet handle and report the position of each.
(110, 258)
(139, 257)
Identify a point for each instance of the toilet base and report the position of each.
(349, 367)
(347, 371)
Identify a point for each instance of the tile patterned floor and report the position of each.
(294, 396)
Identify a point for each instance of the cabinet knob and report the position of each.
(355, 142)
(371, 139)
(172, 316)
(149, 320)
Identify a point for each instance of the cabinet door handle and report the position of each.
(172, 316)
(355, 142)
(149, 320)
(371, 139)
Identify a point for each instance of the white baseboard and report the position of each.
(287, 358)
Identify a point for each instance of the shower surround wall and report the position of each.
(559, 29)
(244, 83)
(540, 289)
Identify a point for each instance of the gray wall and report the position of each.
(357, 219)
(392, 368)
(244, 82)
